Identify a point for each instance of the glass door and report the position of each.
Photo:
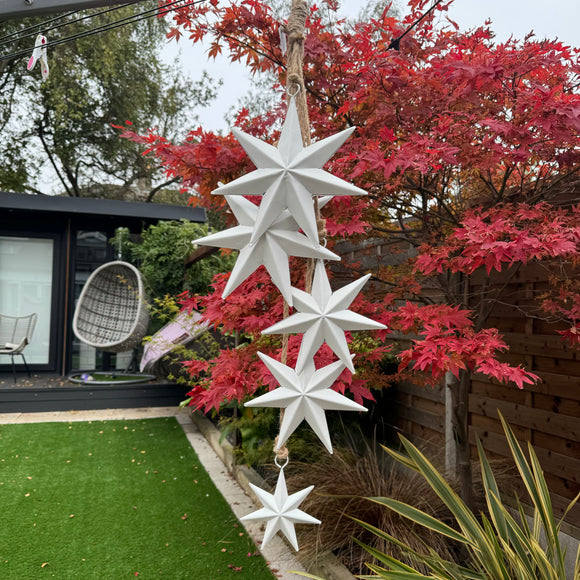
(26, 286)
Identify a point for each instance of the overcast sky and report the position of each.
(547, 18)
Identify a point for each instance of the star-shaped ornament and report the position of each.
(290, 175)
(304, 396)
(280, 511)
(271, 249)
(323, 316)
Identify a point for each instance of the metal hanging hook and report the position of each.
(281, 466)
(292, 95)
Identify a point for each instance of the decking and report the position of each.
(43, 392)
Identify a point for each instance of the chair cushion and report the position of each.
(10, 347)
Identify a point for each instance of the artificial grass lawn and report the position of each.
(113, 500)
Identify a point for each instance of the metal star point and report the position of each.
(290, 175)
(271, 249)
(280, 511)
(305, 396)
(323, 316)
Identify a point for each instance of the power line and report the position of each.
(159, 11)
(43, 28)
(396, 42)
(103, 28)
(36, 26)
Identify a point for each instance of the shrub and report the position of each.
(499, 544)
(160, 256)
(342, 482)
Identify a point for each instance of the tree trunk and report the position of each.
(460, 400)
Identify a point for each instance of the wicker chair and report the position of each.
(15, 334)
(111, 313)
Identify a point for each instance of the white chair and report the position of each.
(15, 335)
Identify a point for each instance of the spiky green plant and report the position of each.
(501, 545)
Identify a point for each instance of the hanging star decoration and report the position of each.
(271, 249)
(323, 316)
(289, 175)
(280, 511)
(304, 396)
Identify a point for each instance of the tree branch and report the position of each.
(40, 132)
(151, 194)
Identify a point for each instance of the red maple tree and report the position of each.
(466, 146)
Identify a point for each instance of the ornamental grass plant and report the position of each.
(500, 543)
(343, 481)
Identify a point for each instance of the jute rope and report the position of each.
(295, 32)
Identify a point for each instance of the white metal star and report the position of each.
(323, 316)
(271, 249)
(289, 175)
(280, 511)
(305, 396)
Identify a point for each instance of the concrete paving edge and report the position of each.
(279, 557)
(326, 565)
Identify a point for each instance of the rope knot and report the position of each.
(282, 453)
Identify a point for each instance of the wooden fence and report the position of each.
(546, 414)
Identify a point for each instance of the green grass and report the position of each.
(113, 500)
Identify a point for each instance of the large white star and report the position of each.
(305, 396)
(280, 511)
(323, 316)
(271, 249)
(290, 175)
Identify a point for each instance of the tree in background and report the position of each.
(160, 254)
(62, 126)
(467, 148)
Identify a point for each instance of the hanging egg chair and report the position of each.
(111, 313)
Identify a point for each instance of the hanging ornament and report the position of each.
(304, 396)
(39, 54)
(271, 249)
(280, 511)
(323, 316)
(290, 175)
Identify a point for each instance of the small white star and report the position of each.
(289, 175)
(280, 511)
(271, 249)
(323, 316)
(305, 396)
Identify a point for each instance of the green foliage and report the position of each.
(64, 123)
(160, 256)
(501, 546)
(14, 173)
(257, 429)
(200, 274)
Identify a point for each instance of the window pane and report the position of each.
(91, 252)
(26, 287)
